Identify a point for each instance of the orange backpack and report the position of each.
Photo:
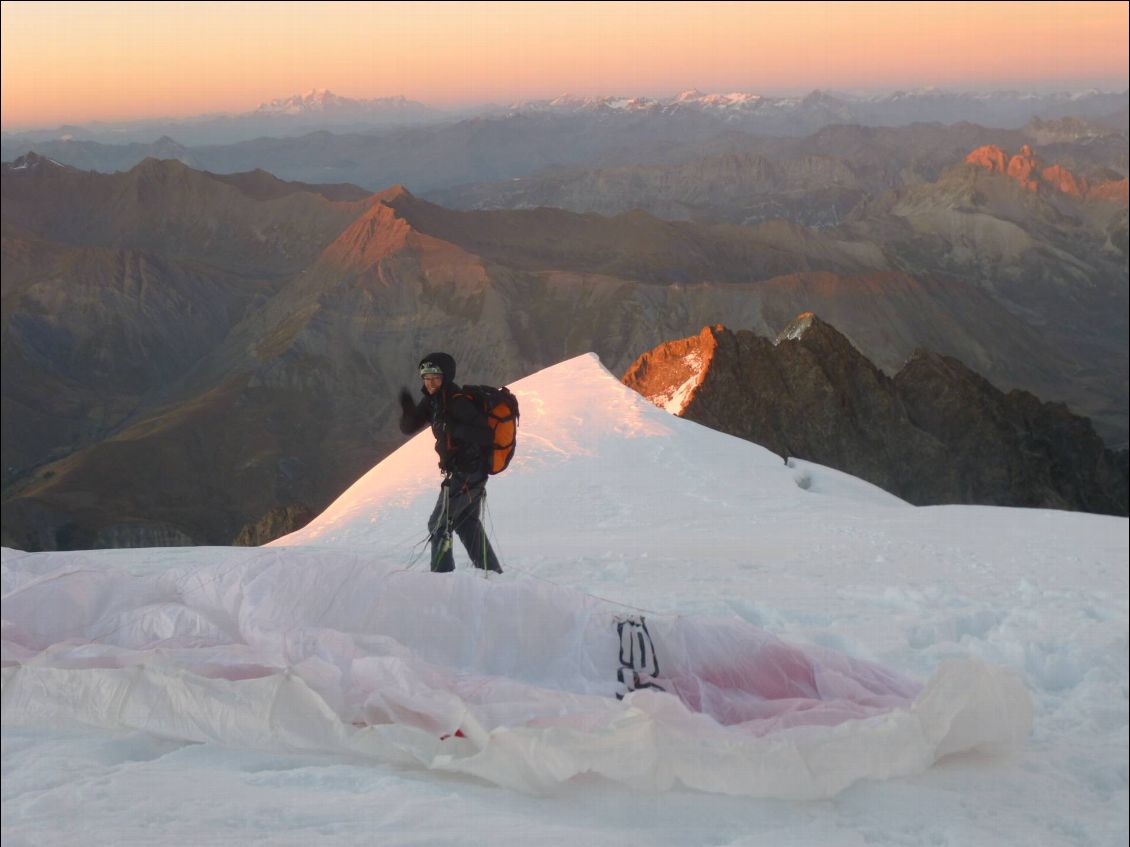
(501, 409)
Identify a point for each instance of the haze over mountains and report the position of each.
(322, 109)
(186, 351)
(317, 109)
(817, 181)
(320, 137)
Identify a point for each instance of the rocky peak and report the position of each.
(156, 165)
(753, 387)
(153, 178)
(32, 162)
(1026, 169)
(395, 222)
(1063, 180)
(923, 365)
(314, 100)
(393, 195)
(797, 327)
(821, 98)
(809, 331)
(378, 232)
(669, 375)
(808, 328)
(990, 157)
(936, 433)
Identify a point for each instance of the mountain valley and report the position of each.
(186, 351)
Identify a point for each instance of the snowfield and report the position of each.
(955, 675)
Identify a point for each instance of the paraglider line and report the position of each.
(509, 567)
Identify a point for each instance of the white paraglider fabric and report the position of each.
(511, 679)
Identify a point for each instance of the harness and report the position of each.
(638, 665)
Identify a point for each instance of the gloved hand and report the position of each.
(410, 422)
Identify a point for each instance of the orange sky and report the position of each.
(75, 62)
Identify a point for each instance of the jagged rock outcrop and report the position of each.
(935, 433)
(1011, 449)
(275, 524)
(1023, 167)
(1064, 181)
(990, 157)
(1029, 171)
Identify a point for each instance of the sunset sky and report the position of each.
(75, 62)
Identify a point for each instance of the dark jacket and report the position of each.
(463, 438)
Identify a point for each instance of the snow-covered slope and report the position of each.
(597, 464)
(612, 508)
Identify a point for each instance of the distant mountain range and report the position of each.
(934, 433)
(326, 103)
(321, 137)
(185, 352)
(805, 114)
(315, 110)
(816, 181)
(320, 109)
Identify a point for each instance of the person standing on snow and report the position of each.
(463, 441)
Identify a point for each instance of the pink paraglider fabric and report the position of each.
(514, 680)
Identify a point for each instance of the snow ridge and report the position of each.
(252, 694)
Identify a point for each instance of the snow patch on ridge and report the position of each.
(676, 399)
(795, 331)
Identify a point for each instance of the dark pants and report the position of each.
(464, 503)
